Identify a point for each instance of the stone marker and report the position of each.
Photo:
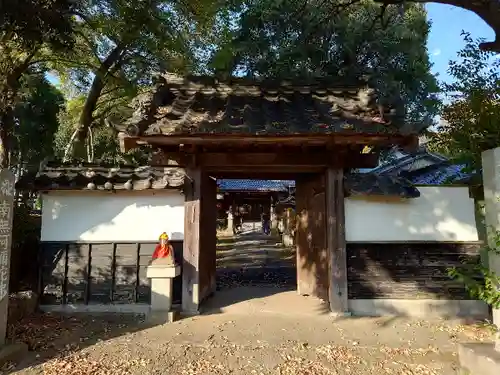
(7, 180)
(484, 358)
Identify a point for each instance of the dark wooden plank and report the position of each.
(101, 273)
(77, 272)
(407, 270)
(89, 277)
(41, 262)
(113, 274)
(65, 278)
(137, 268)
(338, 296)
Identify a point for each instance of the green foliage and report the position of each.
(30, 30)
(37, 119)
(471, 121)
(25, 245)
(290, 38)
(119, 45)
(481, 283)
(34, 22)
(104, 138)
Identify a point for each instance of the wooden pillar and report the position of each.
(335, 238)
(191, 249)
(199, 257)
(312, 262)
(208, 242)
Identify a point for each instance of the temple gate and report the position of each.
(313, 133)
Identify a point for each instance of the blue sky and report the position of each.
(445, 40)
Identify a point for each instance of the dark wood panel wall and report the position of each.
(409, 270)
(99, 273)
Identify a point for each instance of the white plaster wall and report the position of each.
(439, 214)
(112, 217)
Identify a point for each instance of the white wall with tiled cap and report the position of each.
(441, 213)
(112, 218)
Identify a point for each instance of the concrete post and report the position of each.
(230, 220)
(491, 184)
(484, 358)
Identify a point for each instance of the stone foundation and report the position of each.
(22, 305)
(418, 308)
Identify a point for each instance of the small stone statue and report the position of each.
(164, 251)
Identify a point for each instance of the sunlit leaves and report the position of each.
(472, 117)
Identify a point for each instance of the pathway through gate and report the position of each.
(255, 259)
(257, 274)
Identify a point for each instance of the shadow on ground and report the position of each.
(49, 335)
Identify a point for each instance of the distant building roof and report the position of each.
(426, 168)
(356, 184)
(255, 185)
(440, 175)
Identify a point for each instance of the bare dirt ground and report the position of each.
(236, 343)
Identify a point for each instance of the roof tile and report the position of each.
(96, 177)
(203, 105)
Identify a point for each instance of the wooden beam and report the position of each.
(336, 245)
(375, 139)
(339, 138)
(295, 161)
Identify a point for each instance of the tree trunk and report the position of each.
(87, 116)
(6, 126)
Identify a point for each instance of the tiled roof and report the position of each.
(441, 175)
(255, 185)
(97, 177)
(204, 105)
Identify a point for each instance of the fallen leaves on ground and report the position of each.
(72, 363)
(302, 366)
(479, 331)
(408, 351)
(339, 354)
(203, 366)
(40, 331)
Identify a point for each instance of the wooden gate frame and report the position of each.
(321, 254)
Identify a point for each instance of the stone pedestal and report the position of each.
(479, 359)
(162, 277)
